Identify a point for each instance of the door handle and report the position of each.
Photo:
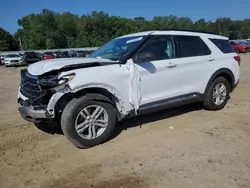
(211, 59)
(171, 65)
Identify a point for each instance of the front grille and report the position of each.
(14, 61)
(30, 88)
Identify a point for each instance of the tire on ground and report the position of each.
(209, 103)
(70, 113)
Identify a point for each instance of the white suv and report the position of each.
(130, 75)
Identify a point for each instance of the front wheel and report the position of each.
(87, 123)
(217, 94)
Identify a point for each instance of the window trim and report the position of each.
(179, 46)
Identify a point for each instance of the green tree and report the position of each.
(6, 41)
(48, 29)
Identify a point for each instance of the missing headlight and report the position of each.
(52, 81)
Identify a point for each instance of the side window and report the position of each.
(192, 46)
(162, 47)
(223, 45)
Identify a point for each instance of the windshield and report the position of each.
(31, 54)
(117, 49)
(12, 55)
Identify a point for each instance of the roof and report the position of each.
(145, 33)
(176, 32)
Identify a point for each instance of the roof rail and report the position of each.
(189, 30)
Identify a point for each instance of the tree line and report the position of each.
(48, 29)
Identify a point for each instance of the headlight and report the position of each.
(49, 82)
(65, 79)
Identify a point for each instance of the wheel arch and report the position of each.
(98, 93)
(224, 72)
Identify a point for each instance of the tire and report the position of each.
(209, 102)
(72, 111)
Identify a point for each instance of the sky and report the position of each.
(12, 10)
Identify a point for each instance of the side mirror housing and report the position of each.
(144, 57)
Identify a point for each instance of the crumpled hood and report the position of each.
(45, 66)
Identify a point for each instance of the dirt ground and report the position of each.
(183, 147)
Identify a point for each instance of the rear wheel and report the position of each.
(217, 94)
(87, 123)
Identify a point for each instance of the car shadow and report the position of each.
(148, 66)
(156, 116)
(16, 66)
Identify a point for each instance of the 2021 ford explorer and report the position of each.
(130, 75)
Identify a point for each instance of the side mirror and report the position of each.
(144, 57)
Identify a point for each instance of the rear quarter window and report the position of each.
(223, 45)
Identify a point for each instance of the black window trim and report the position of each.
(179, 48)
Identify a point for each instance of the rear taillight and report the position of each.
(237, 58)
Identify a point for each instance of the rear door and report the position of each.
(192, 61)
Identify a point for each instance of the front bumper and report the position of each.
(8, 63)
(36, 113)
(35, 103)
(30, 114)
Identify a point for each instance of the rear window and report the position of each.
(192, 46)
(30, 54)
(11, 55)
(223, 45)
(48, 53)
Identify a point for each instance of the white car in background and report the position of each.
(13, 60)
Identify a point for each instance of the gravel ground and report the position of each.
(183, 147)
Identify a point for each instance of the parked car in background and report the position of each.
(240, 46)
(30, 57)
(83, 53)
(40, 55)
(248, 40)
(55, 53)
(2, 59)
(13, 60)
(48, 55)
(80, 53)
(246, 43)
(62, 54)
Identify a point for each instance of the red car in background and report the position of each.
(240, 46)
(48, 55)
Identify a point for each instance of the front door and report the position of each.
(158, 77)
